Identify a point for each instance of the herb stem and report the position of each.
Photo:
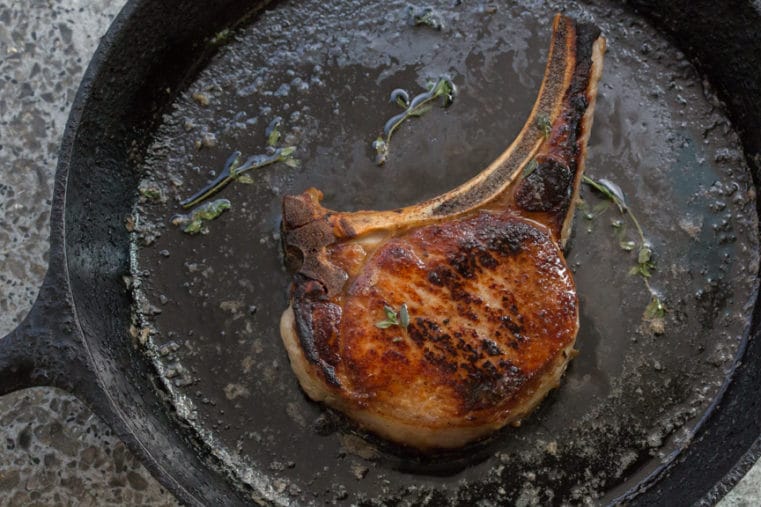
(414, 109)
(636, 224)
(618, 200)
(650, 288)
(216, 185)
(233, 169)
(645, 263)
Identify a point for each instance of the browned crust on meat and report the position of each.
(417, 434)
(494, 314)
(494, 317)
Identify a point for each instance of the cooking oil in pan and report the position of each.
(210, 304)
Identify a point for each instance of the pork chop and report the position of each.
(436, 324)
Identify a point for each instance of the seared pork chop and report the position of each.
(436, 324)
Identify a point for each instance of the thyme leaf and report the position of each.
(530, 168)
(654, 315)
(381, 150)
(394, 318)
(195, 222)
(150, 190)
(404, 316)
(655, 309)
(645, 254)
(273, 131)
(544, 125)
(390, 314)
(221, 37)
(608, 189)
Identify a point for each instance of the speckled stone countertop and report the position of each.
(53, 450)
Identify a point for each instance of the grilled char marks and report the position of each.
(491, 305)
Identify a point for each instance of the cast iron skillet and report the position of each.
(76, 338)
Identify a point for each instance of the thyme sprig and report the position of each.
(645, 262)
(443, 89)
(234, 170)
(394, 318)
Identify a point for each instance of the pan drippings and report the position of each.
(211, 302)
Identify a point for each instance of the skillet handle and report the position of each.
(45, 349)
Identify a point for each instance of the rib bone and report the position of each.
(494, 313)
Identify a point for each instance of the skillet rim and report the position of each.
(115, 416)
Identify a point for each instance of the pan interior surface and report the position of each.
(208, 306)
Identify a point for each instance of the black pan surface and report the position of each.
(211, 303)
(223, 422)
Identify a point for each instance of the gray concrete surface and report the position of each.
(53, 450)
